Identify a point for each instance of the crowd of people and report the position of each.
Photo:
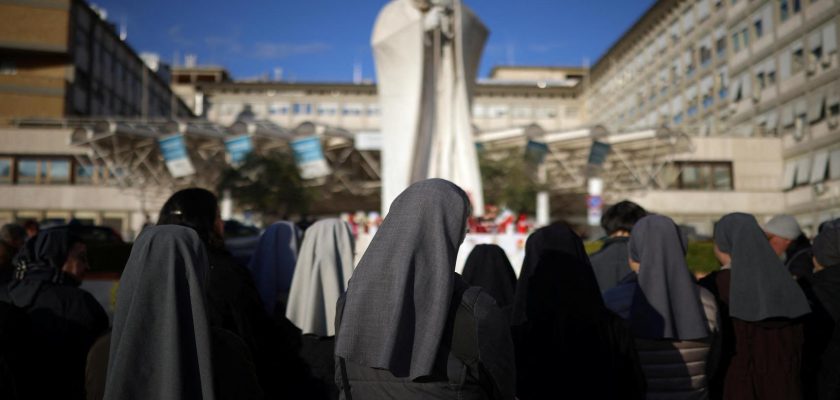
(631, 321)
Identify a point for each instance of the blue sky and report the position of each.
(320, 40)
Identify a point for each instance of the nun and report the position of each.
(162, 346)
(65, 319)
(764, 312)
(821, 369)
(408, 326)
(233, 302)
(273, 264)
(674, 321)
(321, 274)
(567, 342)
(488, 267)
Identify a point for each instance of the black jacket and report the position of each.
(610, 263)
(65, 322)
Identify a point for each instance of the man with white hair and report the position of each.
(788, 241)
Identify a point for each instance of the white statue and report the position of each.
(427, 54)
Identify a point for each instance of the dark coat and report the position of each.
(65, 322)
(17, 372)
(764, 358)
(610, 263)
(798, 258)
(462, 367)
(821, 355)
(233, 304)
(234, 376)
(319, 356)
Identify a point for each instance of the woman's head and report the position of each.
(198, 209)
(55, 253)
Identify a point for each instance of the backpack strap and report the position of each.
(342, 366)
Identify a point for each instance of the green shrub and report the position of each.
(700, 256)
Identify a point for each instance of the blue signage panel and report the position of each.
(174, 151)
(309, 156)
(238, 149)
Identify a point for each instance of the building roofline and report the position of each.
(656, 11)
(535, 67)
(109, 29)
(371, 87)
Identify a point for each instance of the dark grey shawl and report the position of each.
(398, 298)
(160, 345)
(610, 263)
(761, 286)
(666, 304)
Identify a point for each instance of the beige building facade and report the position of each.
(755, 85)
(735, 69)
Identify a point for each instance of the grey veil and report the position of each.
(761, 286)
(666, 304)
(160, 345)
(398, 298)
(324, 265)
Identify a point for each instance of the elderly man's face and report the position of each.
(779, 244)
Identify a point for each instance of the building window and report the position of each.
(703, 176)
(89, 174)
(327, 109)
(278, 109)
(688, 57)
(301, 109)
(352, 109)
(521, 112)
(545, 112)
(708, 100)
(797, 60)
(759, 29)
(5, 170)
(497, 111)
(678, 118)
(705, 56)
(43, 171)
(788, 8)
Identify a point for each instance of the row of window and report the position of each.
(812, 168)
(281, 109)
(750, 84)
(697, 175)
(757, 26)
(50, 171)
(359, 109)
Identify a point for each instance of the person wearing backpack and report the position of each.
(408, 326)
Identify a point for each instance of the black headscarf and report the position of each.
(666, 304)
(561, 238)
(761, 286)
(399, 296)
(196, 208)
(41, 259)
(489, 268)
(826, 283)
(160, 345)
(565, 337)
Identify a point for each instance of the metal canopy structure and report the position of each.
(129, 152)
(636, 158)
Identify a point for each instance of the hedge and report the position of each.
(700, 256)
